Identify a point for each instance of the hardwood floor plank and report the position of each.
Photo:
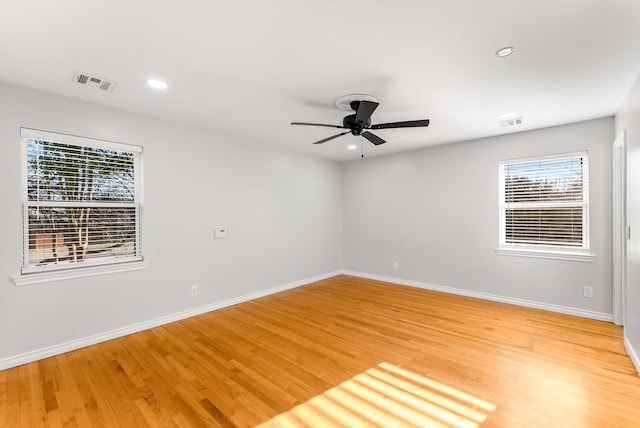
(38, 412)
(344, 352)
(4, 399)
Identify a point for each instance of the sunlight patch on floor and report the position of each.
(388, 396)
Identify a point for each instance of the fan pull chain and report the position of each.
(362, 146)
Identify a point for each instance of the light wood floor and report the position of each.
(340, 352)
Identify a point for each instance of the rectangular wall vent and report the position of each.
(97, 82)
(511, 122)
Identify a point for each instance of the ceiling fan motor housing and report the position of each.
(355, 127)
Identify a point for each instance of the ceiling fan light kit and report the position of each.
(359, 122)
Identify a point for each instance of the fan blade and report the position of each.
(318, 124)
(331, 138)
(373, 138)
(365, 110)
(405, 124)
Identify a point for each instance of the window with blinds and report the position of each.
(81, 201)
(544, 202)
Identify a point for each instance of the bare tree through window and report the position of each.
(545, 202)
(81, 204)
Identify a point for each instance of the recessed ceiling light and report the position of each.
(507, 115)
(157, 84)
(352, 147)
(501, 53)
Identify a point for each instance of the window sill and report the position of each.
(547, 254)
(36, 278)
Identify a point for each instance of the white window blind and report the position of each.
(545, 202)
(82, 202)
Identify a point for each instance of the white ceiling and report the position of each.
(247, 68)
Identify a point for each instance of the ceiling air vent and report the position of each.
(511, 122)
(96, 82)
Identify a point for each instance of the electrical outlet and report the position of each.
(395, 265)
(588, 292)
(194, 290)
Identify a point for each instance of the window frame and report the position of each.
(582, 253)
(31, 274)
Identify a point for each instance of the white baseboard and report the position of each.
(632, 354)
(485, 296)
(50, 351)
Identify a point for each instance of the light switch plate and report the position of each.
(220, 233)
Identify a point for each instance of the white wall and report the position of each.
(435, 211)
(283, 211)
(628, 120)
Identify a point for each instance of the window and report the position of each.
(544, 206)
(81, 201)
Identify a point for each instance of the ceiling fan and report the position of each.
(360, 122)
